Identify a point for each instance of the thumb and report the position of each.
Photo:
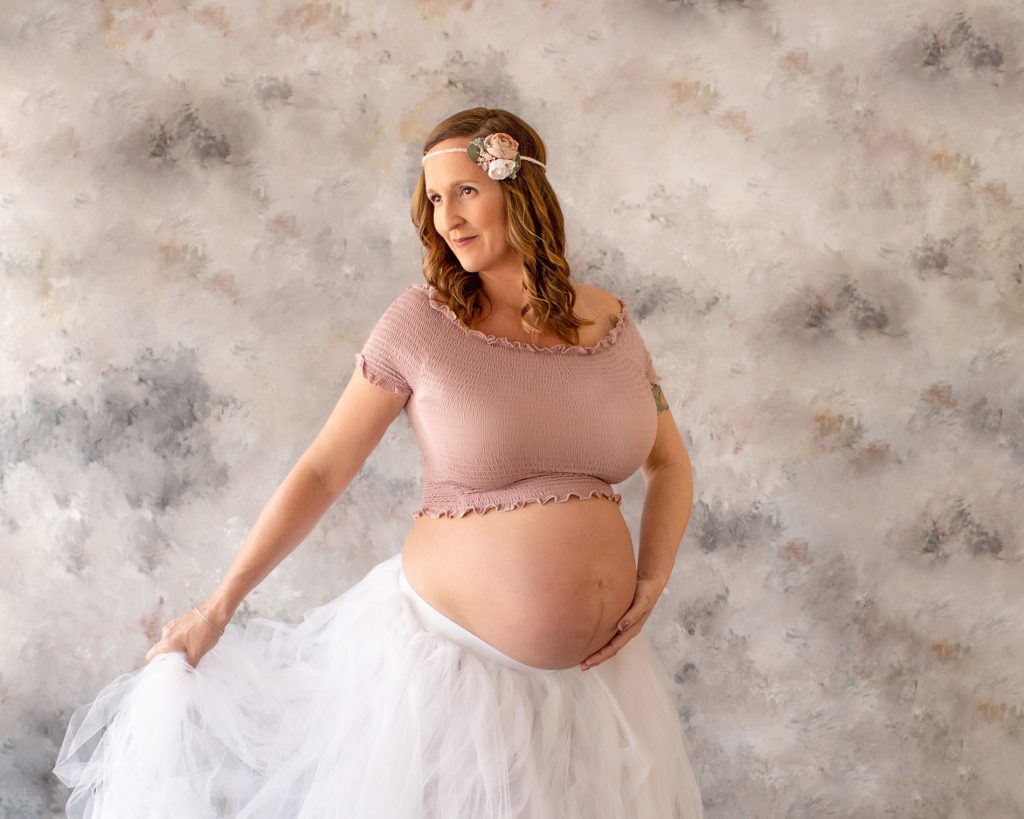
(627, 619)
(636, 612)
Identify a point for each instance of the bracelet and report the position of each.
(208, 620)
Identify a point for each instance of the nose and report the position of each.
(448, 221)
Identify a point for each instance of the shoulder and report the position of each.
(413, 293)
(597, 301)
(409, 301)
(407, 311)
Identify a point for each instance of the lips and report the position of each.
(463, 242)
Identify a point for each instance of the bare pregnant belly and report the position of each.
(545, 584)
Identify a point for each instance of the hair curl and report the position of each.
(534, 226)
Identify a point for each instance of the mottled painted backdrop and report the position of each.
(815, 210)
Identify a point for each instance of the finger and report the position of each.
(157, 648)
(608, 651)
(633, 616)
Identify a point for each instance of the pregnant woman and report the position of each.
(497, 667)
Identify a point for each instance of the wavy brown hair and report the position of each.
(533, 226)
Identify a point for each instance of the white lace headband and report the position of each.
(496, 153)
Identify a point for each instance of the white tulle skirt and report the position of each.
(378, 706)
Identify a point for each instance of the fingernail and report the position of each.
(623, 625)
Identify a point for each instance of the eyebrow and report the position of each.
(455, 184)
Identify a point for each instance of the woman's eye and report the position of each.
(464, 187)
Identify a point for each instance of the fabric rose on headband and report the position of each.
(501, 146)
(496, 153)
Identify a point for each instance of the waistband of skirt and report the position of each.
(440, 624)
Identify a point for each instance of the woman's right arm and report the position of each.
(351, 432)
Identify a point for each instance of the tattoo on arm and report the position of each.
(659, 397)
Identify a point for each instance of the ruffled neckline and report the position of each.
(500, 341)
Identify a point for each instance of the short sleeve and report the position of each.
(388, 358)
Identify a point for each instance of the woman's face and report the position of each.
(466, 202)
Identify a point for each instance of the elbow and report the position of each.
(674, 466)
(325, 480)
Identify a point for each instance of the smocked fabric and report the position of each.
(503, 423)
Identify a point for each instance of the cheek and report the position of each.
(496, 216)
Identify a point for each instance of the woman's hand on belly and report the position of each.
(553, 621)
(647, 593)
(544, 584)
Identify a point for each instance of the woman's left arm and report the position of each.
(668, 500)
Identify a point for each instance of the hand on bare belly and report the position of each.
(556, 621)
(544, 584)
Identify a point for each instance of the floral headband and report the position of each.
(496, 153)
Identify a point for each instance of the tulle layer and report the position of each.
(367, 709)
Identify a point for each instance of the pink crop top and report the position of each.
(503, 423)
